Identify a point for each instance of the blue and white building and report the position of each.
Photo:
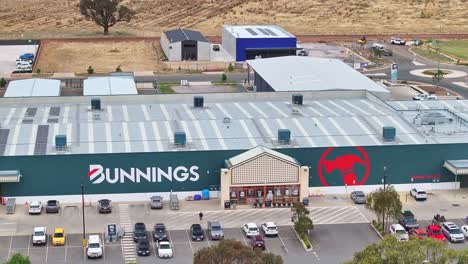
(248, 42)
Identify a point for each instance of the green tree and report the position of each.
(385, 204)
(18, 259)
(118, 69)
(415, 250)
(223, 77)
(3, 83)
(230, 67)
(232, 251)
(90, 70)
(439, 75)
(377, 52)
(106, 13)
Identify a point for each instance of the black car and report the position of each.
(104, 206)
(139, 232)
(53, 206)
(407, 220)
(197, 233)
(159, 232)
(143, 248)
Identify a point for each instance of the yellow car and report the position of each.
(58, 239)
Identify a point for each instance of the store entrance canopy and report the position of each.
(10, 176)
(457, 167)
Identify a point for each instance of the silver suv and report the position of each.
(215, 231)
(452, 232)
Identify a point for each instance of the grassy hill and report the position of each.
(61, 18)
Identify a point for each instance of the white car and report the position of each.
(23, 62)
(270, 229)
(397, 41)
(23, 67)
(250, 229)
(94, 247)
(422, 97)
(453, 232)
(418, 194)
(464, 230)
(165, 249)
(35, 207)
(399, 232)
(39, 236)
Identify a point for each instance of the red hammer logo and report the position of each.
(345, 164)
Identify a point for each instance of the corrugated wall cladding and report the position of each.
(63, 174)
(243, 43)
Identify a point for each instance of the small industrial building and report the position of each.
(250, 42)
(114, 85)
(185, 44)
(33, 88)
(299, 73)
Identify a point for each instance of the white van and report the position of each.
(94, 247)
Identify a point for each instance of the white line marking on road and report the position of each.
(47, 249)
(29, 244)
(243, 237)
(336, 216)
(66, 246)
(282, 242)
(190, 243)
(9, 250)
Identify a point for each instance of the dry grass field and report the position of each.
(61, 18)
(103, 56)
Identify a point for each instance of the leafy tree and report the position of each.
(385, 204)
(18, 259)
(302, 222)
(106, 13)
(232, 251)
(377, 52)
(223, 77)
(439, 75)
(118, 69)
(392, 251)
(90, 70)
(3, 82)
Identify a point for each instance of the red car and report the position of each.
(418, 233)
(435, 232)
(257, 242)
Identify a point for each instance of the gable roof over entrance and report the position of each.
(256, 152)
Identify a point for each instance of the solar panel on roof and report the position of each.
(31, 111)
(54, 111)
(40, 148)
(3, 140)
(263, 31)
(251, 31)
(270, 31)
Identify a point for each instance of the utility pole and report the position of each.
(83, 213)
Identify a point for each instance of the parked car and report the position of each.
(399, 232)
(104, 206)
(159, 232)
(397, 41)
(358, 197)
(423, 96)
(385, 51)
(53, 206)
(452, 232)
(435, 232)
(35, 207)
(464, 229)
(23, 62)
(94, 247)
(303, 53)
(39, 236)
(216, 47)
(250, 229)
(24, 67)
(270, 229)
(139, 232)
(197, 233)
(407, 220)
(215, 231)
(164, 249)
(362, 40)
(143, 248)
(59, 237)
(27, 56)
(156, 202)
(418, 233)
(418, 194)
(257, 242)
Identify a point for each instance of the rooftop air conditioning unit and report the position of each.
(60, 142)
(198, 101)
(284, 136)
(389, 133)
(95, 104)
(297, 99)
(179, 138)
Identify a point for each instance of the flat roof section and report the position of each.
(258, 31)
(242, 121)
(178, 35)
(33, 88)
(118, 85)
(299, 73)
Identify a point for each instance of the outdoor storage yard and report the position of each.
(102, 55)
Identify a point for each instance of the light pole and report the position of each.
(83, 212)
(384, 181)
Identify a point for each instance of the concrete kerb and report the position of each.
(377, 231)
(302, 242)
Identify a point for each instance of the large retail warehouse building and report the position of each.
(240, 146)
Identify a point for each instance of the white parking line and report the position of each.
(243, 237)
(154, 247)
(47, 249)
(190, 243)
(29, 244)
(66, 246)
(208, 240)
(282, 242)
(9, 250)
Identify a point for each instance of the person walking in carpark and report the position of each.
(200, 215)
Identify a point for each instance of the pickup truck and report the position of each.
(39, 236)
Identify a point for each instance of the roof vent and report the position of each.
(60, 142)
(297, 99)
(284, 136)
(95, 104)
(388, 133)
(180, 138)
(226, 120)
(198, 101)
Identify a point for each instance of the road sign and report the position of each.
(394, 73)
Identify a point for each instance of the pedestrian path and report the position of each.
(281, 216)
(7, 228)
(128, 246)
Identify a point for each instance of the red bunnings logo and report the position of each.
(344, 164)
